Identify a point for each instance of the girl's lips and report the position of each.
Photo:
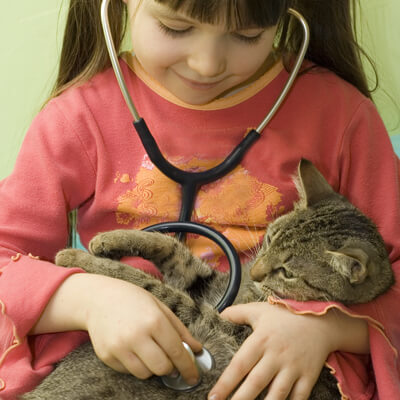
(199, 85)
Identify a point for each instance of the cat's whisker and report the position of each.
(255, 249)
(255, 236)
(252, 252)
(253, 240)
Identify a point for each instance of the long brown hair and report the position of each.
(84, 52)
(332, 27)
(333, 42)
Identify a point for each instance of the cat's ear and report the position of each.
(350, 262)
(311, 184)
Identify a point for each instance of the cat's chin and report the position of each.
(279, 295)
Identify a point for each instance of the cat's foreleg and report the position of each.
(178, 265)
(119, 243)
(71, 258)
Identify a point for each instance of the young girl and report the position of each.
(202, 74)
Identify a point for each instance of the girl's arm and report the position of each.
(56, 172)
(286, 351)
(368, 173)
(130, 330)
(52, 175)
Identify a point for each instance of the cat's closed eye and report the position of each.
(284, 273)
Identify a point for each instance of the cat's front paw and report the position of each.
(70, 258)
(112, 245)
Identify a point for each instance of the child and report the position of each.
(204, 72)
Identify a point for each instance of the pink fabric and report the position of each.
(82, 152)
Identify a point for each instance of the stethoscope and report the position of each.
(191, 181)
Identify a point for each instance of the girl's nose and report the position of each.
(207, 58)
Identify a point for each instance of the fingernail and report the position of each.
(193, 381)
(174, 374)
(213, 397)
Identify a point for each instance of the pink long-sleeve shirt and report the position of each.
(82, 152)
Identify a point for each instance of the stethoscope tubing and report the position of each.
(235, 271)
(114, 59)
(191, 181)
(294, 73)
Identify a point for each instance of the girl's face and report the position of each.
(196, 62)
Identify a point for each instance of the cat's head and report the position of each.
(325, 249)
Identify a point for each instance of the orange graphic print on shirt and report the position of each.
(238, 205)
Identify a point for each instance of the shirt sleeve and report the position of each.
(369, 177)
(53, 175)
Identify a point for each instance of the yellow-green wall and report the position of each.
(31, 33)
(380, 35)
(29, 43)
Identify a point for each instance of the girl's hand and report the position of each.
(133, 332)
(285, 352)
(130, 329)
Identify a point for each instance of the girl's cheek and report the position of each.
(155, 47)
(161, 59)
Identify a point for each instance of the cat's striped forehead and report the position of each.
(331, 222)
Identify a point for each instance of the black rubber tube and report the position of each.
(193, 178)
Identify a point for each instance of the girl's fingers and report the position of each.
(130, 364)
(256, 381)
(302, 389)
(135, 366)
(115, 365)
(186, 336)
(170, 340)
(237, 314)
(241, 364)
(153, 357)
(281, 385)
(172, 345)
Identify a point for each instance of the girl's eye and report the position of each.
(247, 39)
(173, 31)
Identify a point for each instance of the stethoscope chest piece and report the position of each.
(204, 362)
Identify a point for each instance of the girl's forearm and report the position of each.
(348, 333)
(67, 309)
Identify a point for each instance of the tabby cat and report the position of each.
(325, 249)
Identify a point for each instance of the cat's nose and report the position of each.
(257, 271)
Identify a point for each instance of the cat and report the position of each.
(325, 249)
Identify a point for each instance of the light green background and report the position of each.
(31, 34)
